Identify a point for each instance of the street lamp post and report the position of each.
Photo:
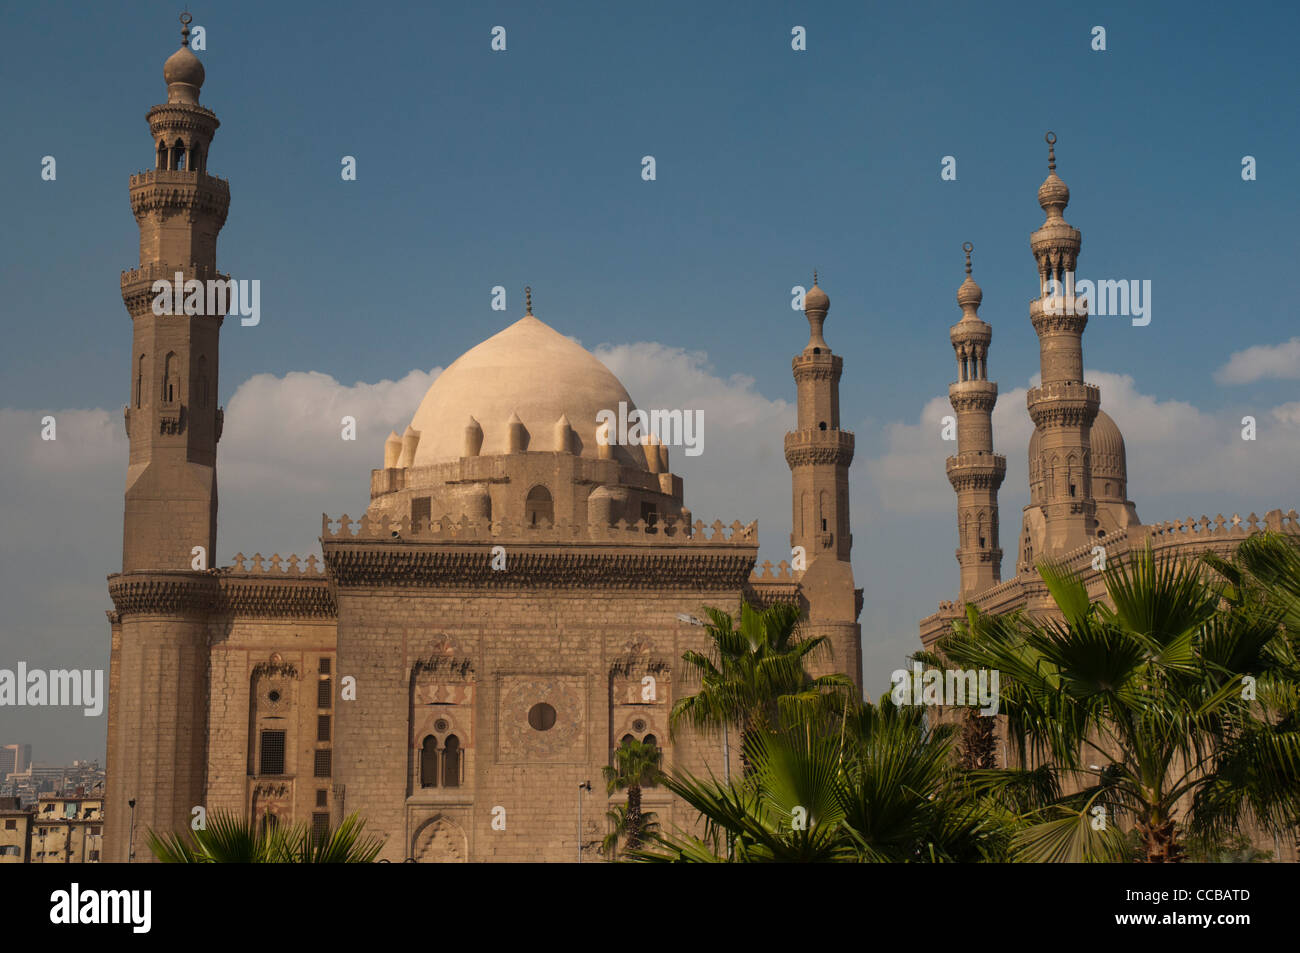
(582, 786)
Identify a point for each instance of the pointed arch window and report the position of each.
(429, 763)
(539, 508)
(162, 155)
(451, 762)
(169, 378)
(178, 156)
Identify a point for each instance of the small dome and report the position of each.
(183, 67)
(1109, 458)
(1053, 193)
(816, 299)
(969, 293)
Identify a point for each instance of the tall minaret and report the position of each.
(1063, 407)
(976, 472)
(157, 724)
(172, 419)
(819, 454)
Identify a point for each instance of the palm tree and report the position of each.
(618, 828)
(753, 675)
(879, 784)
(1152, 688)
(636, 764)
(231, 839)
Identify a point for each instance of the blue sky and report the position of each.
(478, 169)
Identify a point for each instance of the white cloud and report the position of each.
(909, 477)
(282, 460)
(1177, 454)
(1280, 361)
(741, 473)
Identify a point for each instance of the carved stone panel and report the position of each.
(542, 719)
(440, 840)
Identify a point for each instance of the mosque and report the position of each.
(509, 608)
(474, 646)
(1079, 514)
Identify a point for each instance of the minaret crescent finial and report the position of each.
(186, 20)
(1051, 151)
(814, 276)
(528, 299)
(967, 247)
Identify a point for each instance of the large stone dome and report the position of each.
(531, 371)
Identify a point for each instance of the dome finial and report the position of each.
(528, 300)
(969, 295)
(186, 20)
(814, 277)
(1051, 151)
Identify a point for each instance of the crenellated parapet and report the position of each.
(1069, 403)
(805, 448)
(821, 366)
(976, 470)
(171, 190)
(666, 532)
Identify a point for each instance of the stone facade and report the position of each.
(471, 650)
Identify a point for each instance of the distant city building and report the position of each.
(15, 832)
(14, 758)
(65, 828)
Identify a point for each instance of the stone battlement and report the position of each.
(275, 565)
(781, 572)
(179, 177)
(1190, 533)
(668, 531)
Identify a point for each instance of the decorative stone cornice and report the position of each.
(964, 398)
(807, 447)
(263, 596)
(137, 287)
(220, 593)
(976, 470)
(817, 367)
(271, 669)
(171, 418)
(405, 566)
(993, 556)
(444, 667)
(639, 664)
(1063, 403)
(765, 593)
(177, 117)
(200, 193)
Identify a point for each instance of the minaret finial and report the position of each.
(967, 247)
(1051, 151)
(186, 20)
(814, 276)
(528, 299)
